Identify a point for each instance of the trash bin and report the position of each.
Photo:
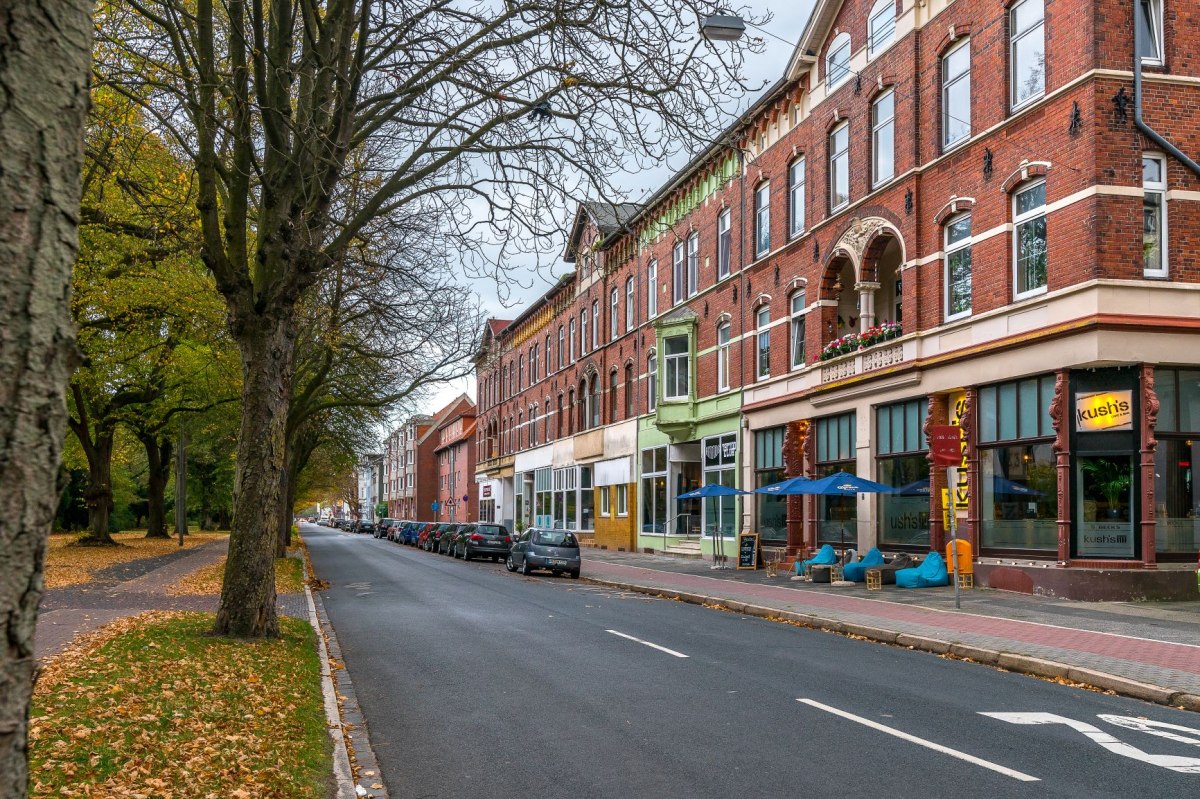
(965, 561)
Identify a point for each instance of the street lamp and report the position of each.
(722, 28)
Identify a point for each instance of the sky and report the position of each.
(789, 18)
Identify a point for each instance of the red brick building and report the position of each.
(454, 453)
(410, 463)
(943, 212)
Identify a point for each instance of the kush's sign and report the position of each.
(1103, 410)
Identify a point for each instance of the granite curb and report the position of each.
(1008, 661)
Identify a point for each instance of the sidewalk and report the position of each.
(1147, 650)
(127, 589)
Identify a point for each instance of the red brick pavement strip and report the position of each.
(1183, 658)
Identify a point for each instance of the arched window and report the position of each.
(547, 357)
(630, 311)
(561, 354)
(612, 395)
(569, 412)
(594, 400)
(958, 266)
(559, 416)
(837, 61)
(881, 27)
(629, 391)
(584, 399)
(533, 439)
(723, 338)
(796, 330)
(546, 421)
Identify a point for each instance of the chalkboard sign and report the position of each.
(747, 551)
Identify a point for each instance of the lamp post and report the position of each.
(722, 28)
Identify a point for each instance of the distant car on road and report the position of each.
(364, 526)
(553, 550)
(482, 540)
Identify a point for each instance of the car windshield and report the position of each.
(489, 529)
(555, 538)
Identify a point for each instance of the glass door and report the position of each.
(1105, 507)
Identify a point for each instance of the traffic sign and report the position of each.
(436, 506)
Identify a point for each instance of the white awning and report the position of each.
(613, 472)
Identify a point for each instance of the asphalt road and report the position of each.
(480, 683)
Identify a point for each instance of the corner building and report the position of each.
(958, 212)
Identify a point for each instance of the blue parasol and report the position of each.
(712, 490)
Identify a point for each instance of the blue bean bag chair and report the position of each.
(825, 557)
(931, 572)
(857, 571)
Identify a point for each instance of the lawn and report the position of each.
(68, 564)
(153, 706)
(289, 579)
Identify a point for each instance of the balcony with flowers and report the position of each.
(856, 353)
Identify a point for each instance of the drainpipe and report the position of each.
(1150, 133)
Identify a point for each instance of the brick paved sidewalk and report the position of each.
(1171, 664)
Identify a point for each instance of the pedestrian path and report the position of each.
(1158, 646)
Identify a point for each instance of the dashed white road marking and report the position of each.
(647, 643)
(904, 736)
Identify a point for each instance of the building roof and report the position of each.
(497, 325)
(609, 219)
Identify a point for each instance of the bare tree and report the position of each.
(488, 113)
(46, 47)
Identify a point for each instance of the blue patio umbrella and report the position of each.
(789, 487)
(838, 484)
(712, 490)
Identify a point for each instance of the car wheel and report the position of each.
(525, 569)
(575, 574)
(508, 564)
(466, 553)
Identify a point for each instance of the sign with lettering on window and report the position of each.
(1103, 411)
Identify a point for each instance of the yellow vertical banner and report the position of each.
(958, 409)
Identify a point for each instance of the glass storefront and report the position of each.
(837, 517)
(1176, 501)
(901, 463)
(720, 468)
(654, 491)
(1018, 504)
(770, 511)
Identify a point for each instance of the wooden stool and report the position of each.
(874, 580)
(966, 580)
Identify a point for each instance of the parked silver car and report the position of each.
(553, 550)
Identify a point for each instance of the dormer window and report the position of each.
(837, 62)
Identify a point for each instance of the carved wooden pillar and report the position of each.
(1062, 455)
(1148, 421)
(810, 502)
(794, 438)
(937, 415)
(970, 437)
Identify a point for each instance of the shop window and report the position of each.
(720, 468)
(676, 362)
(1027, 52)
(1029, 239)
(837, 517)
(883, 138)
(796, 182)
(1154, 216)
(587, 499)
(724, 244)
(1018, 482)
(839, 167)
(956, 94)
(654, 491)
(958, 267)
(881, 26)
(770, 511)
(902, 463)
(1176, 499)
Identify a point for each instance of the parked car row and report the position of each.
(556, 551)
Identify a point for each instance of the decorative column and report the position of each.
(1062, 461)
(970, 445)
(1149, 421)
(866, 304)
(794, 438)
(810, 502)
(937, 415)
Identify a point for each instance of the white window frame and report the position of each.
(571, 338)
(834, 156)
(951, 249)
(583, 332)
(796, 330)
(678, 273)
(520, 371)
(836, 77)
(724, 331)
(883, 11)
(1018, 221)
(762, 342)
(1159, 188)
(881, 128)
(595, 324)
(630, 304)
(562, 350)
(1155, 32)
(604, 500)
(762, 220)
(652, 381)
(622, 499)
(950, 82)
(673, 363)
(546, 358)
(797, 178)
(614, 314)
(652, 290)
(693, 264)
(1015, 37)
(724, 244)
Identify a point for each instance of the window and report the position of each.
(533, 364)
(1154, 216)
(956, 94)
(881, 26)
(1149, 30)
(1029, 222)
(629, 391)
(521, 429)
(614, 314)
(770, 509)
(837, 62)
(678, 270)
(561, 351)
(546, 432)
(901, 462)
(622, 500)
(958, 267)
(837, 517)
(1176, 490)
(533, 413)
(796, 197)
(723, 356)
(724, 244)
(693, 264)
(1027, 53)
(675, 363)
(560, 416)
(629, 301)
(652, 290)
(762, 220)
(839, 166)
(594, 400)
(796, 331)
(547, 364)
(569, 415)
(652, 381)
(720, 468)
(571, 340)
(604, 500)
(583, 331)
(763, 344)
(613, 385)
(654, 491)
(595, 324)
(883, 138)
(520, 370)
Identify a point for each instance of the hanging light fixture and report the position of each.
(722, 28)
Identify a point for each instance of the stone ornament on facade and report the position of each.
(859, 235)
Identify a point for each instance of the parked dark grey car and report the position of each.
(553, 550)
(482, 540)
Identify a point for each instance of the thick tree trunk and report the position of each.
(158, 459)
(99, 494)
(248, 593)
(45, 49)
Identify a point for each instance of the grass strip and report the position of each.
(154, 706)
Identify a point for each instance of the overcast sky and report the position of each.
(787, 24)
